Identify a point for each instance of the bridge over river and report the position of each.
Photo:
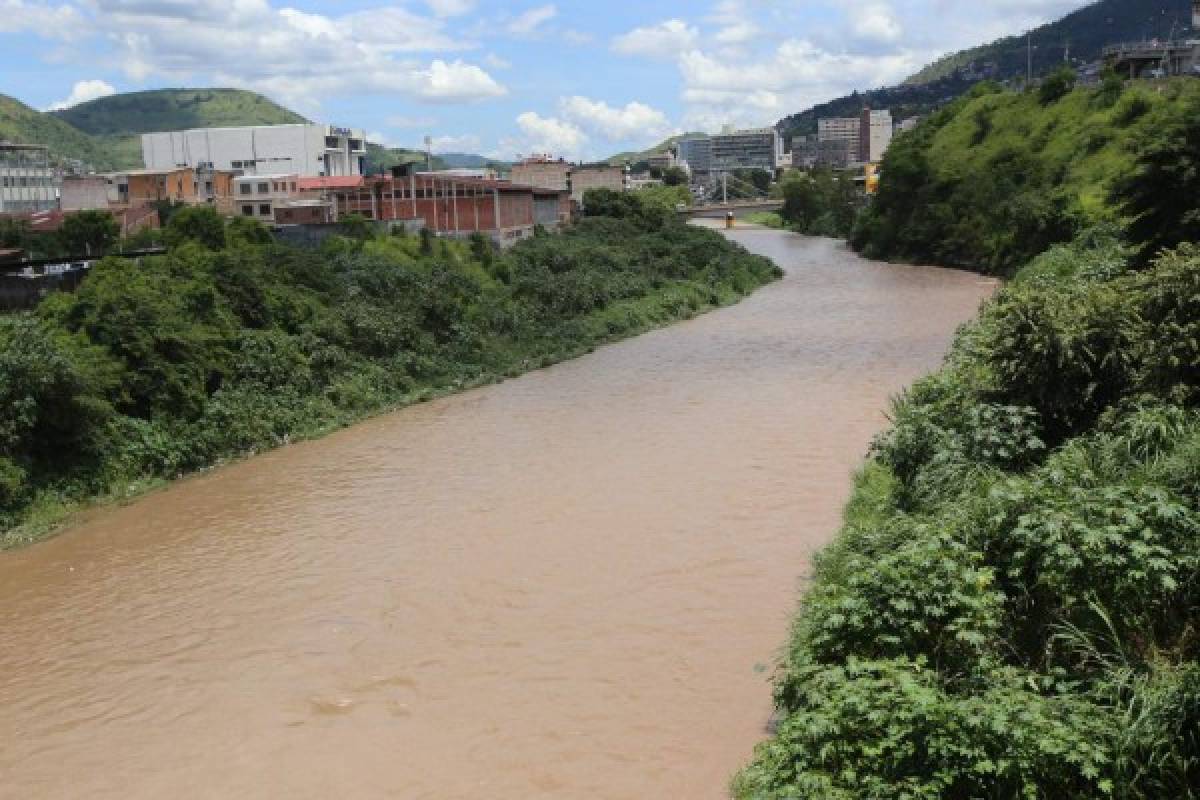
(569, 585)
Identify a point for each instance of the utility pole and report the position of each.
(1029, 51)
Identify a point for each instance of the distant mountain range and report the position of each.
(106, 133)
(1081, 35)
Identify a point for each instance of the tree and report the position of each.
(1160, 195)
(355, 226)
(15, 233)
(89, 233)
(201, 224)
(675, 176)
(1056, 85)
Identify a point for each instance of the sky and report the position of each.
(574, 79)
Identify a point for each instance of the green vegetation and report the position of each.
(230, 344)
(1010, 609)
(998, 177)
(639, 157)
(22, 124)
(135, 113)
(819, 203)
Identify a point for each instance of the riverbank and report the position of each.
(1009, 608)
(596, 560)
(221, 350)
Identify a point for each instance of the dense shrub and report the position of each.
(1010, 609)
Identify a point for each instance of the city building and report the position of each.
(596, 176)
(302, 149)
(453, 206)
(759, 148)
(28, 182)
(905, 125)
(874, 136)
(662, 161)
(144, 187)
(84, 193)
(542, 172)
(837, 153)
(838, 141)
(804, 151)
(256, 196)
(696, 153)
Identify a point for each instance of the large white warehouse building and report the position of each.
(310, 151)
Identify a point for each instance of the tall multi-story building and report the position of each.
(758, 148)
(542, 172)
(874, 136)
(306, 150)
(28, 182)
(804, 151)
(846, 132)
(696, 152)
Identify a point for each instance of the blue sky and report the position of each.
(578, 79)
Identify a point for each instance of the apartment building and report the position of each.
(256, 196)
(875, 135)
(303, 149)
(758, 148)
(847, 130)
(28, 182)
(542, 172)
(804, 151)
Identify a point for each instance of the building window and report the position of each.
(332, 142)
(264, 210)
(293, 186)
(247, 211)
(262, 188)
(236, 164)
(244, 188)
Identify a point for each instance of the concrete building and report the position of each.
(662, 161)
(596, 176)
(874, 136)
(837, 153)
(697, 154)
(256, 196)
(304, 212)
(905, 125)
(758, 148)
(84, 193)
(304, 150)
(455, 206)
(28, 182)
(143, 187)
(804, 151)
(838, 129)
(542, 172)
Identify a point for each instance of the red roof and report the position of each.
(329, 182)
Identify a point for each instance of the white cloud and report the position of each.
(550, 136)
(740, 32)
(297, 57)
(467, 143)
(53, 21)
(528, 22)
(82, 92)
(664, 40)
(634, 121)
(876, 22)
(450, 8)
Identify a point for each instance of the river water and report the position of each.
(569, 585)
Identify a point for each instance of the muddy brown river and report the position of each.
(569, 585)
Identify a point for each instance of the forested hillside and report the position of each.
(999, 176)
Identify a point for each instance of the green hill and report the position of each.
(999, 176)
(136, 113)
(1084, 33)
(22, 124)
